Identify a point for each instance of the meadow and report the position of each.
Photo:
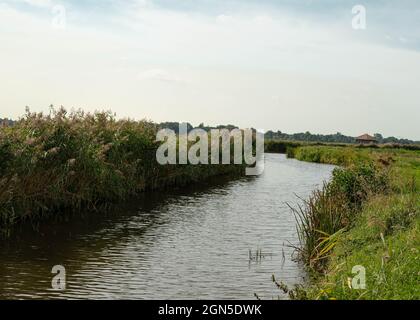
(368, 215)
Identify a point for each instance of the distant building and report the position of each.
(366, 139)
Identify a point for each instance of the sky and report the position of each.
(286, 65)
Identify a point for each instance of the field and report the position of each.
(367, 216)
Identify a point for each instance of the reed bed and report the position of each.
(66, 162)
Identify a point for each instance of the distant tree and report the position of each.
(378, 137)
(6, 122)
(301, 136)
(174, 126)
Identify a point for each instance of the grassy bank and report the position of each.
(335, 154)
(51, 164)
(367, 215)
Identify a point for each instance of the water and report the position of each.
(189, 244)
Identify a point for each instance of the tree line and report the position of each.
(278, 135)
(303, 136)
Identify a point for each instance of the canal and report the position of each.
(200, 242)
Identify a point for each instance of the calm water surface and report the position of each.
(188, 244)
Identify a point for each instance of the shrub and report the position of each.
(357, 182)
(328, 212)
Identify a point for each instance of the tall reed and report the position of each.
(72, 161)
(329, 211)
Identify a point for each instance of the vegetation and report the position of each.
(331, 138)
(277, 138)
(6, 122)
(72, 161)
(277, 146)
(342, 156)
(303, 137)
(367, 215)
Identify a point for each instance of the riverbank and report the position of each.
(367, 216)
(68, 162)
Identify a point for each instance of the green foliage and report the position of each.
(356, 183)
(71, 161)
(342, 156)
(385, 240)
(276, 146)
(334, 138)
(368, 215)
(330, 210)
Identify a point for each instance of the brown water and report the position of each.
(189, 244)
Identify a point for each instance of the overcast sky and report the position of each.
(284, 65)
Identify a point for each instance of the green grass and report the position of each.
(342, 156)
(368, 215)
(392, 260)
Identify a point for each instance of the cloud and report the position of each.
(38, 3)
(122, 56)
(160, 75)
(223, 18)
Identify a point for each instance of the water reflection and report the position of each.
(221, 241)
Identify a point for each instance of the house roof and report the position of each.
(366, 137)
